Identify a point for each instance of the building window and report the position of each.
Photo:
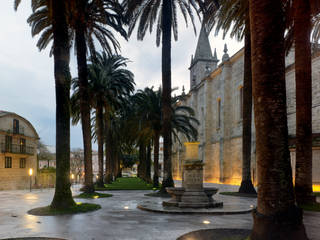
(8, 162)
(15, 126)
(241, 102)
(219, 112)
(8, 144)
(22, 145)
(22, 163)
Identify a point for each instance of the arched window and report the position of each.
(240, 102)
(218, 112)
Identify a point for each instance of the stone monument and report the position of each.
(192, 194)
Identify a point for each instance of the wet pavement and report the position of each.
(119, 218)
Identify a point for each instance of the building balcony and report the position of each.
(16, 149)
(19, 131)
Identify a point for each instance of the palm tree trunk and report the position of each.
(62, 197)
(166, 93)
(84, 97)
(99, 119)
(246, 183)
(148, 164)
(156, 161)
(142, 161)
(276, 216)
(108, 175)
(302, 28)
(115, 159)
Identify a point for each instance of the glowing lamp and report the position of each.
(30, 171)
(206, 222)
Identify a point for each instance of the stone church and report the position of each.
(216, 91)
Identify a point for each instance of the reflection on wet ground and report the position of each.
(119, 218)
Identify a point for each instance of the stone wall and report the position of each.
(16, 177)
(46, 179)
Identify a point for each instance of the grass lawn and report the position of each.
(78, 208)
(94, 195)
(237, 194)
(311, 207)
(127, 183)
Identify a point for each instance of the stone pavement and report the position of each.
(114, 221)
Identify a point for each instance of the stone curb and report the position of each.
(217, 233)
(209, 211)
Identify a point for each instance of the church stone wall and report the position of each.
(221, 145)
(212, 163)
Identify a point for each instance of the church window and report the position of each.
(219, 112)
(241, 102)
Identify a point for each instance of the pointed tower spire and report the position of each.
(183, 93)
(203, 51)
(203, 62)
(225, 56)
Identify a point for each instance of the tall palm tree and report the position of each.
(111, 83)
(86, 21)
(303, 78)
(61, 51)
(276, 216)
(163, 14)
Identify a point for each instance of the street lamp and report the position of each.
(30, 174)
(72, 179)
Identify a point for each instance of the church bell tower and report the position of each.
(203, 63)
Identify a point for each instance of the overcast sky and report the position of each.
(26, 75)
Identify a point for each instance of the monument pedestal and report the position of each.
(192, 194)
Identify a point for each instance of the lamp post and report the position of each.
(72, 179)
(30, 174)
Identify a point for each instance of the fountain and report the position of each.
(192, 194)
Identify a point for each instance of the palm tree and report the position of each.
(149, 117)
(164, 15)
(63, 197)
(86, 20)
(276, 216)
(110, 83)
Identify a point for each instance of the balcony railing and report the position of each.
(19, 130)
(14, 131)
(17, 149)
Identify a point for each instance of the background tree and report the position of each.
(233, 16)
(77, 163)
(44, 154)
(148, 117)
(84, 17)
(163, 14)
